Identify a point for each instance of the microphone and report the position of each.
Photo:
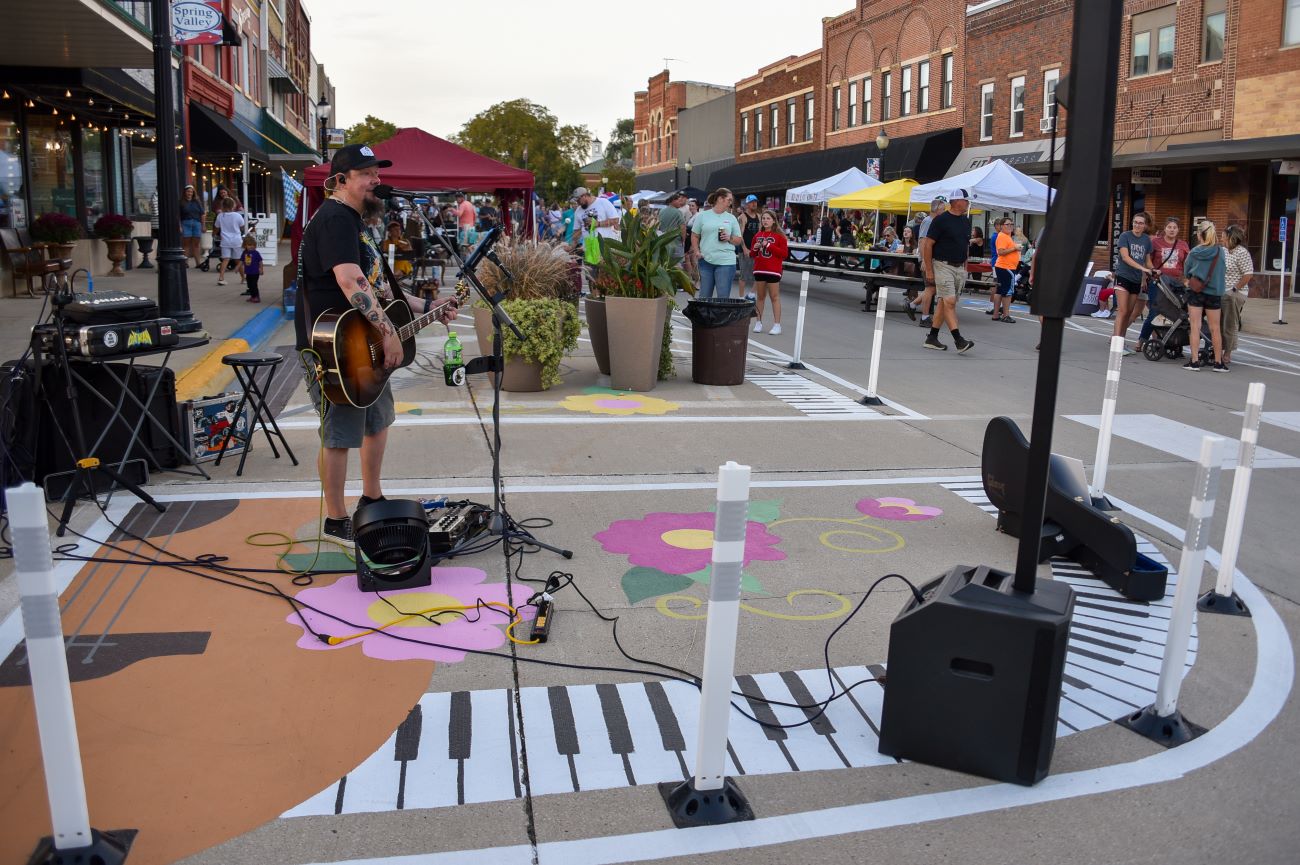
(483, 249)
(387, 192)
(491, 255)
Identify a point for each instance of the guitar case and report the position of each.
(1072, 527)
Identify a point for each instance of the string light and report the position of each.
(31, 104)
(91, 102)
(6, 94)
(56, 112)
(67, 94)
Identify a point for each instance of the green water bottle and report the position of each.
(453, 367)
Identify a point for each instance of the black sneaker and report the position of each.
(965, 345)
(1194, 365)
(362, 501)
(245, 293)
(339, 531)
(909, 309)
(1008, 319)
(1220, 367)
(988, 311)
(933, 343)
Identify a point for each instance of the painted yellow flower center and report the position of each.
(417, 602)
(688, 539)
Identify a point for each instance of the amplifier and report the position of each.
(109, 307)
(455, 525)
(109, 340)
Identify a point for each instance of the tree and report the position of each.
(621, 180)
(372, 130)
(526, 135)
(622, 140)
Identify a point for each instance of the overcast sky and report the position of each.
(437, 63)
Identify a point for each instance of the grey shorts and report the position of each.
(948, 280)
(746, 268)
(344, 426)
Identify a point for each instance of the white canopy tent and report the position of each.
(822, 191)
(643, 193)
(994, 185)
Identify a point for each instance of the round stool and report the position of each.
(246, 365)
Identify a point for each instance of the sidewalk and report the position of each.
(1260, 313)
(220, 308)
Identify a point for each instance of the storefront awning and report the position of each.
(924, 157)
(1031, 157)
(210, 132)
(77, 33)
(279, 78)
(1210, 152)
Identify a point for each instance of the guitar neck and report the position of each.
(410, 329)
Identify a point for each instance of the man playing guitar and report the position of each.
(343, 269)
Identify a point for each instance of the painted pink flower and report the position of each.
(387, 633)
(681, 543)
(888, 508)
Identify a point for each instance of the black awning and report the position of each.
(785, 172)
(229, 35)
(661, 180)
(212, 133)
(1206, 152)
(924, 158)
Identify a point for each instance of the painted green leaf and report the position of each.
(640, 583)
(762, 511)
(330, 560)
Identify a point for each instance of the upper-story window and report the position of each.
(1215, 22)
(923, 87)
(886, 93)
(986, 111)
(1153, 41)
(774, 128)
(758, 129)
(808, 103)
(1291, 27)
(1051, 78)
(945, 95)
(905, 100)
(790, 128)
(744, 133)
(853, 103)
(835, 108)
(866, 100)
(1018, 105)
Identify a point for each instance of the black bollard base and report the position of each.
(1102, 503)
(871, 400)
(1167, 731)
(690, 807)
(105, 848)
(794, 364)
(1225, 605)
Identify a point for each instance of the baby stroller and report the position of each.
(1172, 327)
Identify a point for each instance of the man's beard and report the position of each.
(371, 206)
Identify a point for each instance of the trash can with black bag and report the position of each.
(719, 339)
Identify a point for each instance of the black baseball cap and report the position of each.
(352, 157)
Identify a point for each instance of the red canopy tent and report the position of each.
(426, 163)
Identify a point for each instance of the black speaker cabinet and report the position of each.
(974, 676)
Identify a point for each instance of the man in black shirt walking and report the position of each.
(944, 250)
(342, 268)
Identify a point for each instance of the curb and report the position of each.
(208, 375)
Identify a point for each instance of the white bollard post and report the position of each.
(1222, 599)
(1161, 721)
(710, 797)
(1101, 461)
(873, 377)
(796, 363)
(392, 256)
(65, 786)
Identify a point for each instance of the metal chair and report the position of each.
(27, 259)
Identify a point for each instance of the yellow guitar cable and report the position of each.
(515, 619)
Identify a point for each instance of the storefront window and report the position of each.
(1281, 202)
(50, 167)
(144, 176)
(92, 169)
(13, 213)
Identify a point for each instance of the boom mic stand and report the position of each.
(494, 363)
(83, 483)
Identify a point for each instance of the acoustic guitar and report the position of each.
(351, 367)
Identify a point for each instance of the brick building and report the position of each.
(655, 128)
(1187, 70)
(886, 69)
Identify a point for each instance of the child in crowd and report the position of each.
(229, 228)
(251, 262)
(769, 251)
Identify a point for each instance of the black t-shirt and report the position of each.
(951, 236)
(752, 225)
(334, 236)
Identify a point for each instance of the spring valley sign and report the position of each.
(196, 22)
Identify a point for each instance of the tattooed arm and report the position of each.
(363, 300)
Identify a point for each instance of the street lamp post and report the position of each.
(323, 112)
(173, 285)
(688, 172)
(882, 144)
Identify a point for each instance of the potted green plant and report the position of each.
(59, 230)
(115, 230)
(539, 281)
(643, 277)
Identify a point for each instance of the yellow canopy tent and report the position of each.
(892, 197)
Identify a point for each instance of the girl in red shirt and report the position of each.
(769, 251)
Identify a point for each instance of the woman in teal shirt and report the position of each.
(1207, 263)
(715, 234)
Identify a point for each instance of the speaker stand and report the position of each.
(1165, 730)
(689, 807)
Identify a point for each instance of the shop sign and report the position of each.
(872, 168)
(1146, 176)
(1116, 224)
(196, 22)
(334, 137)
(1289, 166)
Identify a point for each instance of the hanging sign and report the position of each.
(196, 22)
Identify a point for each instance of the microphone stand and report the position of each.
(494, 363)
